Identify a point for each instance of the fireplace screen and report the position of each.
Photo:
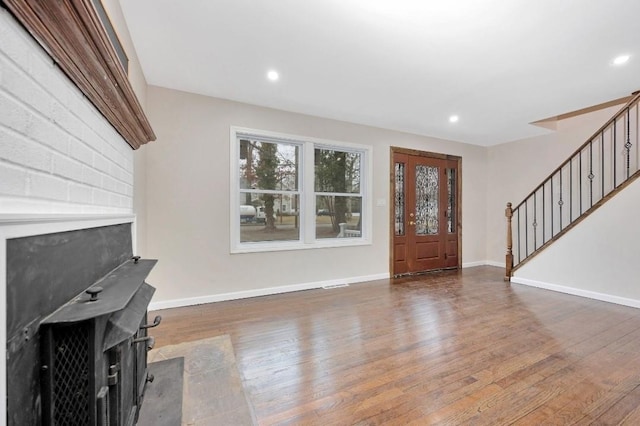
(70, 393)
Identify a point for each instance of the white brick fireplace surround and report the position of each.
(57, 152)
(62, 165)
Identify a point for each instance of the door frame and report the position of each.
(392, 213)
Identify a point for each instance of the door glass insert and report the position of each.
(399, 199)
(427, 189)
(451, 205)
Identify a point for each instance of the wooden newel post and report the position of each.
(509, 257)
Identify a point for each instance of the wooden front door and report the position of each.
(425, 212)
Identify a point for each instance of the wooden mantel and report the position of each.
(73, 34)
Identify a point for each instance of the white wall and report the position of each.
(516, 168)
(188, 201)
(57, 153)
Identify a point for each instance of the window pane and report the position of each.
(269, 217)
(337, 171)
(267, 165)
(338, 217)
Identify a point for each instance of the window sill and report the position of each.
(294, 246)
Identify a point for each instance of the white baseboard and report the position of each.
(472, 264)
(482, 263)
(578, 292)
(199, 300)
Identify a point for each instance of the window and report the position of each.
(290, 192)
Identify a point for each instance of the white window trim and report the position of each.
(307, 194)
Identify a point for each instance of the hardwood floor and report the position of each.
(444, 348)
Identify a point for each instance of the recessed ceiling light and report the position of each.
(454, 119)
(620, 60)
(273, 75)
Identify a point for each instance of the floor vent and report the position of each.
(329, 287)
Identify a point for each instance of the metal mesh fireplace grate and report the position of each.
(71, 375)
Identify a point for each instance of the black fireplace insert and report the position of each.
(77, 328)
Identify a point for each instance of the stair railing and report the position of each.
(606, 163)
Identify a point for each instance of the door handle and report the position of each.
(411, 223)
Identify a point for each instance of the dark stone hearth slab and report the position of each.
(213, 390)
(162, 404)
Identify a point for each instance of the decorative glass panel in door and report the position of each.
(399, 198)
(427, 194)
(451, 200)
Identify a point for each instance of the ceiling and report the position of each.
(406, 65)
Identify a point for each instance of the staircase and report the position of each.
(604, 165)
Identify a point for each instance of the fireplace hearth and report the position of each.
(77, 331)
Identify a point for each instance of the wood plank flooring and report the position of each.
(458, 347)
